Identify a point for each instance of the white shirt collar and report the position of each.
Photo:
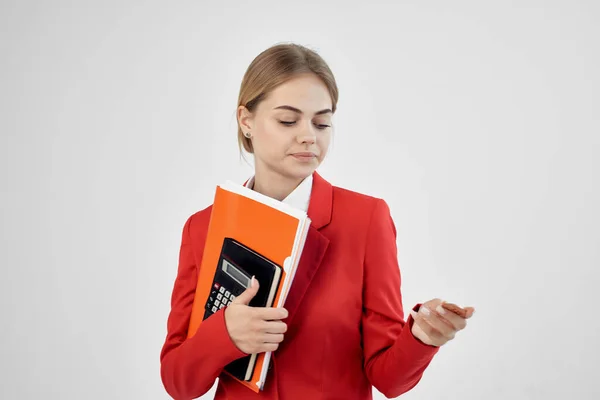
(299, 198)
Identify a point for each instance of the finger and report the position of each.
(271, 313)
(466, 312)
(273, 327)
(456, 321)
(432, 333)
(247, 295)
(268, 347)
(273, 338)
(455, 309)
(437, 322)
(470, 311)
(433, 303)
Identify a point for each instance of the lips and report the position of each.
(304, 154)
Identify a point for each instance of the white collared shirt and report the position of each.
(299, 198)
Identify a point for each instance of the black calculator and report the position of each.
(237, 264)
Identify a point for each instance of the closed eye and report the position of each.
(290, 123)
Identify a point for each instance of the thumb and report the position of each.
(248, 294)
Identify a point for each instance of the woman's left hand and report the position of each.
(434, 325)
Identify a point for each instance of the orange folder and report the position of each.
(274, 229)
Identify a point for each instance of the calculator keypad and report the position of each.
(219, 297)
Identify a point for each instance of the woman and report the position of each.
(342, 330)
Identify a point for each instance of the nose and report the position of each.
(308, 135)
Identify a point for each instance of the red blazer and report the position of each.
(346, 328)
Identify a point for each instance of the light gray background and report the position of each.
(477, 121)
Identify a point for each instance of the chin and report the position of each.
(301, 171)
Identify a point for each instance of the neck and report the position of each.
(274, 185)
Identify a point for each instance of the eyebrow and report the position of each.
(294, 109)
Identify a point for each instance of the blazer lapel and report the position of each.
(319, 211)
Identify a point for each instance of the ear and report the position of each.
(245, 119)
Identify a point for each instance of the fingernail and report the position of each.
(425, 310)
(440, 309)
(413, 313)
(253, 280)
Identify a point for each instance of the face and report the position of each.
(291, 128)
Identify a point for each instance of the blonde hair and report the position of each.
(275, 66)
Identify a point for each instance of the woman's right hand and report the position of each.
(254, 329)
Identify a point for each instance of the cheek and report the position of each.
(271, 139)
(323, 143)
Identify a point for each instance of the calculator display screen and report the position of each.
(236, 274)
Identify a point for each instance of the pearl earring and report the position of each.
(247, 134)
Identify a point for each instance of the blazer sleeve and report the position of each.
(189, 367)
(394, 359)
